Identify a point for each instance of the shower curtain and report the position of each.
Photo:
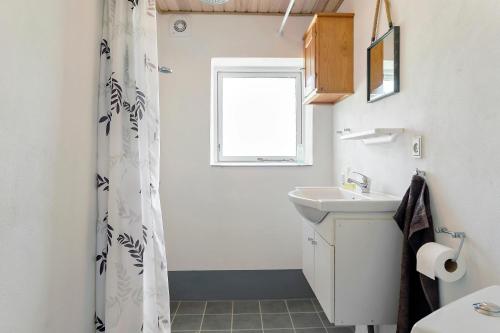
(131, 267)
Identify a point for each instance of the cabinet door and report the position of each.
(308, 253)
(367, 271)
(324, 275)
(310, 60)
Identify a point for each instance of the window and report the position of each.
(257, 114)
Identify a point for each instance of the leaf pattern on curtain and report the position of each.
(105, 50)
(106, 119)
(99, 325)
(102, 260)
(131, 266)
(135, 249)
(103, 182)
(109, 230)
(116, 94)
(134, 3)
(136, 111)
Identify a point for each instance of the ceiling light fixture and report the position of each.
(214, 2)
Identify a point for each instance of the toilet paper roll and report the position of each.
(436, 260)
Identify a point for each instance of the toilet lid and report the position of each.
(460, 316)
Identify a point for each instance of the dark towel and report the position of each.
(418, 294)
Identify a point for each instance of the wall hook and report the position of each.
(165, 70)
(419, 172)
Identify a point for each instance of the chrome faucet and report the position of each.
(364, 185)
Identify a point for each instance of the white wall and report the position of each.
(227, 217)
(450, 84)
(47, 167)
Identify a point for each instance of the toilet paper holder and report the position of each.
(453, 234)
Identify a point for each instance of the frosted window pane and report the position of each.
(259, 117)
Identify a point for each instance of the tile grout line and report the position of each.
(317, 314)
(175, 314)
(231, 329)
(314, 305)
(232, 315)
(247, 329)
(322, 323)
(203, 315)
(261, 320)
(290, 315)
(248, 313)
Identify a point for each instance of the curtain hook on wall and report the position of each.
(165, 70)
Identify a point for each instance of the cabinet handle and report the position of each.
(314, 242)
(310, 239)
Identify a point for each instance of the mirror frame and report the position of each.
(395, 30)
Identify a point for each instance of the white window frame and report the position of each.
(258, 67)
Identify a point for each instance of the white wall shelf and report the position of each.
(372, 136)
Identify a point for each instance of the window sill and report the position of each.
(258, 164)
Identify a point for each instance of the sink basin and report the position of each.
(314, 203)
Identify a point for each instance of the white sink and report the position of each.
(314, 203)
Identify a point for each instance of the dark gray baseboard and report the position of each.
(255, 284)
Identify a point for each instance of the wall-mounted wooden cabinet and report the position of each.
(329, 58)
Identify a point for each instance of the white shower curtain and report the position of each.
(131, 268)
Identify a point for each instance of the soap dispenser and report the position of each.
(345, 175)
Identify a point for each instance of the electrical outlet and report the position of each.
(416, 147)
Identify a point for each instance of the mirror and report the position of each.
(383, 66)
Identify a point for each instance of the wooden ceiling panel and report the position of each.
(333, 5)
(277, 6)
(308, 6)
(263, 7)
(297, 7)
(320, 6)
(184, 6)
(208, 8)
(169, 4)
(229, 6)
(239, 5)
(196, 5)
(252, 6)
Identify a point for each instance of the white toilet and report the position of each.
(462, 317)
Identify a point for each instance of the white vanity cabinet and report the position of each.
(352, 263)
(308, 243)
(318, 266)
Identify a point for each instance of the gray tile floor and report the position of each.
(252, 316)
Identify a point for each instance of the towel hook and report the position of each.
(419, 172)
(453, 234)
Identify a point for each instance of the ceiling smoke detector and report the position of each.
(214, 2)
